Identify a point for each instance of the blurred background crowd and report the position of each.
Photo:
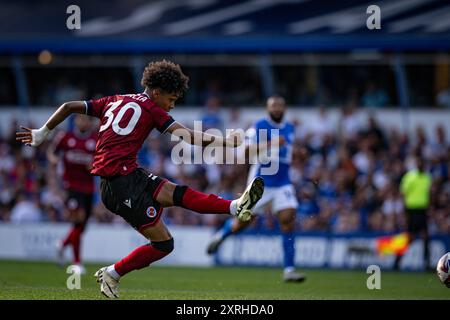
(346, 173)
(320, 56)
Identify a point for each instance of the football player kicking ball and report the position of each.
(131, 192)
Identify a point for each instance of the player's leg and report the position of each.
(423, 226)
(231, 226)
(183, 196)
(287, 225)
(85, 203)
(285, 205)
(286, 219)
(426, 250)
(170, 194)
(81, 214)
(133, 198)
(76, 240)
(139, 199)
(161, 244)
(60, 247)
(414, 229)
(410, 230)
(412, 236)
(76, 213)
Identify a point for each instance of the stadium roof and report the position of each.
(223, 26)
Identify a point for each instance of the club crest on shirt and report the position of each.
(151, 212)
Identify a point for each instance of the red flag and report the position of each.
(395, 244)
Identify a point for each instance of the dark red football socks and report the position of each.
(68, 239)
(138, 259)
(204, 203)
(74, 238)
(76, 243)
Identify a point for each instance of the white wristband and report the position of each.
(38, 135)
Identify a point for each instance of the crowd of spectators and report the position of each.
(346, 174)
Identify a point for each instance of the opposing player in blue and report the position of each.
(279, 191)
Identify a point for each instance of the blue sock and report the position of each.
(225, 231)
(288, 249)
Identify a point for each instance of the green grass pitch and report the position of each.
(44, 280)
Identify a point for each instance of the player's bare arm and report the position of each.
(234, 139)
(254, 149)
(34, 137)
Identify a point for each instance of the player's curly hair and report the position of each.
(165, 75)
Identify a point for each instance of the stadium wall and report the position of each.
(101, 243)
(322, 250)
(405, 120)
(109, 243)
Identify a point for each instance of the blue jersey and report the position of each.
(284, 157)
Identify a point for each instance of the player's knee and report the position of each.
(287, 227)
(164, 246)
(178, 194)
(287, 221)
(286, 217)
(287, 224)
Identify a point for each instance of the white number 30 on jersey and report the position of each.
(115, 121)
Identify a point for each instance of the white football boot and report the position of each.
(249, 198)
(108, 285)
(293, 276)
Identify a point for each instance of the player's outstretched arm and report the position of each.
(199, 138)
(34, 137)
(253, 149)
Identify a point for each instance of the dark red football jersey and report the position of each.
(78, 153)
(126, 121)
